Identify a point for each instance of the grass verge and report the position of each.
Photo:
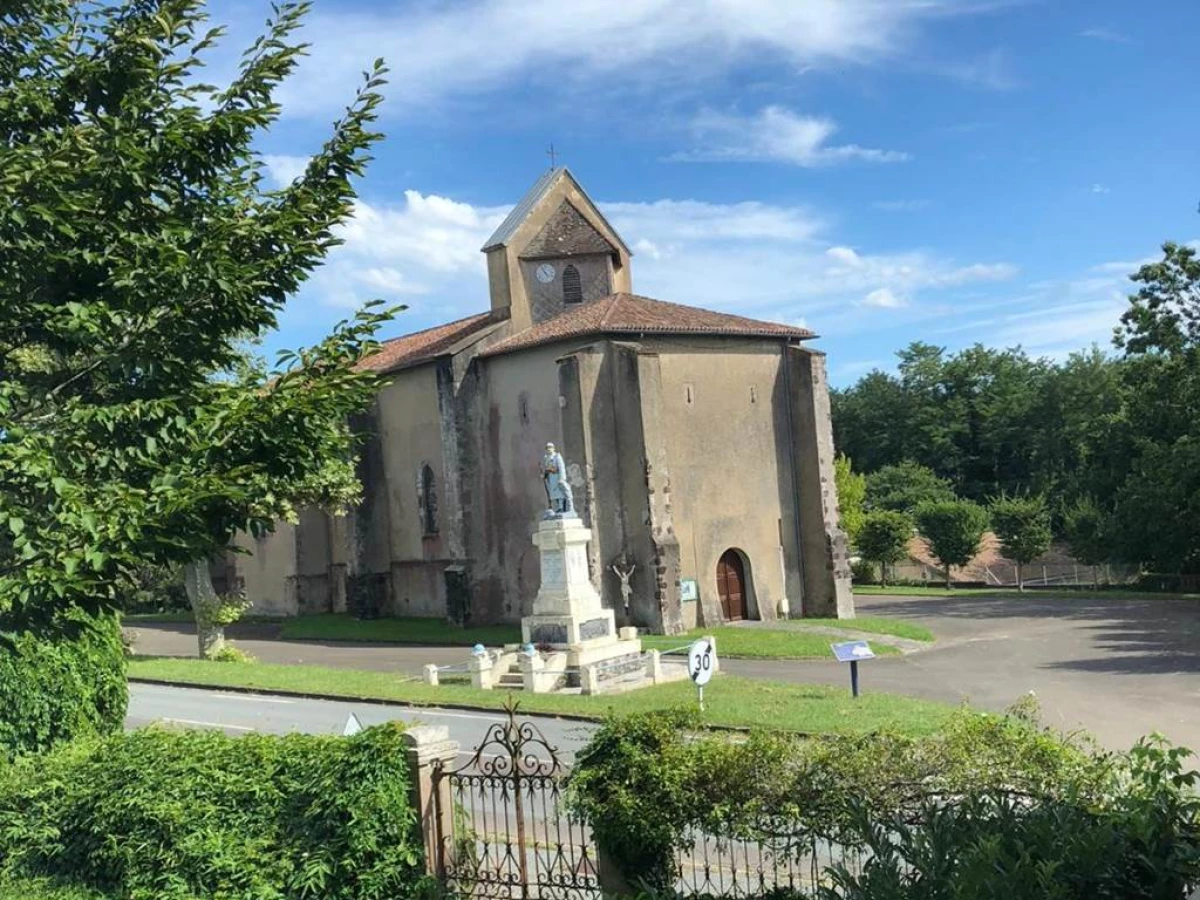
(759, 643)
(337, 627)
(792, 642)
(729, 700)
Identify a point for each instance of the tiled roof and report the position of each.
(631, 314)
(421, 346)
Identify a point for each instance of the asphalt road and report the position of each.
(1120, 669)
(237, 713)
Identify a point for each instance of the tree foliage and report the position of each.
(1116, 432)
(851, 492)
(954, 529)
(1023, 525)
(884, 539)
(139, 247)
(905, 486)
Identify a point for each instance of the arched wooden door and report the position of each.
(731, 585)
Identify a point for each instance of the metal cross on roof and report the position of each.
(553, 157)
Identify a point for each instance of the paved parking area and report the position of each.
(1119, 668)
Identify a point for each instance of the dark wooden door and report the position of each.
(731, 586)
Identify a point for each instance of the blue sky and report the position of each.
(880, 170)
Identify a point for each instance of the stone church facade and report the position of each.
(698, 445)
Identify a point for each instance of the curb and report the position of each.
(374, 701)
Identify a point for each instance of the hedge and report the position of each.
(60, 680)
(168, 815)
(990, 807)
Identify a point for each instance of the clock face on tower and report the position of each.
(545, 273)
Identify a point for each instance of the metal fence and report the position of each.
(510, 837)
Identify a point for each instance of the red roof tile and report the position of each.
(631, 314)
(422, 346)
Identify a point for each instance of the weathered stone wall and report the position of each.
(268, 570)
(511, 409)
(826, 569)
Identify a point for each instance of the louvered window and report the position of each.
(572, 285)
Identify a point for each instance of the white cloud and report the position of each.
(992, 70)
(775, 134)
(284, 169)
(1107, 35)
(901, 205)
(883, 298)
(765, 260)
(844, 255)
(1099, 189)
(428, 245)
(441, 50)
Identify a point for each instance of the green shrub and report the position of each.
(1140, 841)
(60, 680)
(165, 815)
(646, 781)
(230, 653)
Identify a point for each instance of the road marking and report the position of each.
(207, 724)
(254, 698)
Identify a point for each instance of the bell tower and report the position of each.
(554, 251)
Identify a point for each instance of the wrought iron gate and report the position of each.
(508, 836)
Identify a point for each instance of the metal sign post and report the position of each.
(852, 652)
(702, 661)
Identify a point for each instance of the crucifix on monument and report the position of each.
(553, 154)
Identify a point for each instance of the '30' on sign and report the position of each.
(702, 661)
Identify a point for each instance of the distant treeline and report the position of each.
(1110, 436)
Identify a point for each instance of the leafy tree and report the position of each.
(954, 529)
(904, 487)
(851, 489)
(1023, 526)
(883, 539)
(1084, 528)
(138, 250)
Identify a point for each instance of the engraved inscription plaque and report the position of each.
(553, 569)
(548, 634)
(593, 628)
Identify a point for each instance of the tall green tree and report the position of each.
(1023, 525)
(904, 487)
(884, 539)
(954, 530)
(139, 247)
(851, 491)
(1084, 526)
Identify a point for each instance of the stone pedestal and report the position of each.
(567, 613)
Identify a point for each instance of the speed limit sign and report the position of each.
(702, 659)
(702, 662)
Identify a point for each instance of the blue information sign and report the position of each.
(852, 651)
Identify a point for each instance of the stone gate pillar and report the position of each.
(429, 746)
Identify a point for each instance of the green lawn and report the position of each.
(338, 627)
(751, 643)
(759, 643)
(730, 701)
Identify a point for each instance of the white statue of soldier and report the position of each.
(554, 477)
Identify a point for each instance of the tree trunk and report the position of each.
(1095, 578)
(197, 581)
(1020, 578)
(883, 574)
(949, 586)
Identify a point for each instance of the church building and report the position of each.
(697, 443)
